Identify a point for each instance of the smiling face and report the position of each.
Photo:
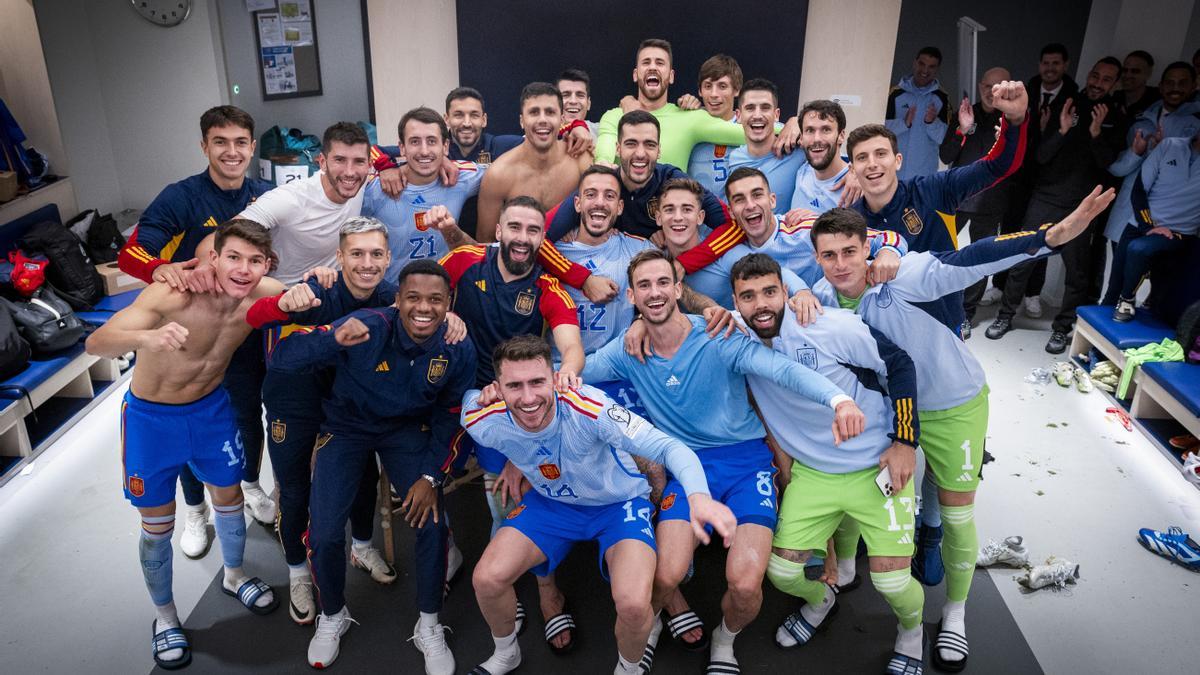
(1134, 73)
(527, 388)
(576, 102)
(1051, 68)
(520, 233)
(875, 164)
(653, 73)
(761, 300)
(363, 257)
(925, 68)
(344, 170)
(540, 117)
(752, 204)
(843, 259)
(599, 204)
(638, 152)
(718, 96)
(1101, 80)
(821, 139)
(423, 300)
(229, 150)
(758, 114)
(1177, 85)
(655, 291)
(679, 215)
(239, 266)
(466, 120)
(423, 148)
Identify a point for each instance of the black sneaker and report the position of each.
(965, 330)
(998, 328)
(1057, 343)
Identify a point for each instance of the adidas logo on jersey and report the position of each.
(382, 367)
(965, 478)
(1172, 163)
(646, 531)
(543, 451)
(418, 200)
(905, 539)
(482, 284)
(590, 264)
(816, 203)
(673, 381)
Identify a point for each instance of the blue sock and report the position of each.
(230, 524)
(154, 550)
(931, 509)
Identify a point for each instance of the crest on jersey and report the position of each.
(437, 369)
(912, 221)
(515, 512)
(419, 220)
(807, 357)
(278, 431)
(652, 208)
(550, 471)
(667, 502)
(720, 150)
(137, 487)
(485, 157)
(525, 302)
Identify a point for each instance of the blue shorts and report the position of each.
(554, 526)
(740, 476)
(157, 439)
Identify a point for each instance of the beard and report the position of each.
(773, 331)
(520, 268)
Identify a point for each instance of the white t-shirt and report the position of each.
(304, 225)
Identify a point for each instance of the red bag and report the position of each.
(29, 273)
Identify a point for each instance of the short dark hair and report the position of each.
(658, 43)
(540, 89)
(753, 266)
(348, 133)
(1180, 65)
(826, 110)
(523, 200)
(761, 84)
(742, 173)
(1055, 48)
(718, 66)
(634, 118)
(600, 170)
(649, 255)
(248, 231)
(459, 93)
(521, 348)
(576, 75)
(930, 51)
(1143, 55)
(224, 116)
(867, 132)
(424, 266)
(839, 221)
(425, 116)
(1110, 61)
(684, 185)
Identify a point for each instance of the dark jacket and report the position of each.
(960, 150)
(1071, 165)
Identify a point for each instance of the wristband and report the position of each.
(566, 128)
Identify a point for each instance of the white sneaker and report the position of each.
(259, 504)
(196, 538)
(323, 648)
(991, 296)
(1191, 468)
(371, 561)
(1033, 307)
(1009, 552)
(432, 643)
(1056, 572)
(302, 608)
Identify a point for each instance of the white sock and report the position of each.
(198, 508)
(908, 642)
(506, 657)
(250, 485)
(722, 643)
(427, 621)
(298, 571)
(359, 545)
(954, 619)
(506, 644)
(815, 614)
(655, 630)
(168, 618)
(846, 570)
(624, 666)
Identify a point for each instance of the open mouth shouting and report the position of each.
(766, 322)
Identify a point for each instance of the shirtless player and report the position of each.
(177, 413)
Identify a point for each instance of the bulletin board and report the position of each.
(285, 33)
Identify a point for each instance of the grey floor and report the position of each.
(74, 600)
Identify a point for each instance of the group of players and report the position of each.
(730, 353)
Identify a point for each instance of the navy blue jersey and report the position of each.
(179, 218)
(389, 383)
(488, 149)
(495, 310)
(641, 207)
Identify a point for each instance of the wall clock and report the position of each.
(165, 13)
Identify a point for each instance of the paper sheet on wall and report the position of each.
(297, 33)
(257, 5)
(295, 10)
(270, 30)
(279, 70)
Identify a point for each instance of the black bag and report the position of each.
(46, 322)
(72, 271)
(14, 350)
(1187, 333)
(100, 233)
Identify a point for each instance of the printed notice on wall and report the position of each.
(279, 70)
(270, 30)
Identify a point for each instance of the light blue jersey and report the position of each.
(709, 165)
(582, 456)
(780, 172)
(408, 237)
(713, 280)
(792, 248)
(600, 323)
(699, 394)
(815, 194)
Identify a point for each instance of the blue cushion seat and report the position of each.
(1181, 380)
(1142, 330)
(37, 372)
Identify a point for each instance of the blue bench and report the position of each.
(1169, 390)
(1095, 328)
(108, 305)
